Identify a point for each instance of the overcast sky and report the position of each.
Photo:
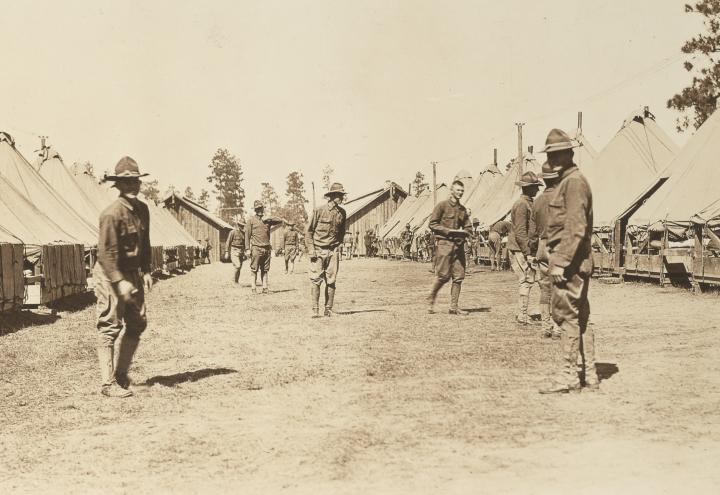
(377, 89)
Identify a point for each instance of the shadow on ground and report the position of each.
(477, 310)
(14, 322)
(606, 370)
(360, 311)
(187, 376)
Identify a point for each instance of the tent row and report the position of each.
(49, 229)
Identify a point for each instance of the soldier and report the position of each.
(291, 242)
(475, 240)
(367, 240)
(569, 231)
(257, 243)
(122, 277)
(406, 239)
(497, 232)
(538, 243)
(451, 225)
(521, 255)
(235, 247)
(323, 236)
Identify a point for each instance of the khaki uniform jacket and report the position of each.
(450, 215)
(502, 227)
(326, 229)
(539, 214)
(236, 239)
(124, 241)
(291, 238)
(522, 226)
(570, 223)
(257, 231)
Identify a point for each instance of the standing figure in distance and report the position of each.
(497, 232)
(451, 225)
(522, 257)
(257, 242)
(569, 230)
(406, 238)
(235, 247)
(323, 237)
(367, 240)
(122, 277)
(291, 243)
(538, 242)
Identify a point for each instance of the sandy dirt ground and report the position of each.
(246, 394)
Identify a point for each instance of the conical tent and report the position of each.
(51, 167)
(421, 219)
(22, 221)
(483, 186)
(31, 184)
(402, 215)
(585, 154)
(691, 192)
(504, 192)
(628, 168)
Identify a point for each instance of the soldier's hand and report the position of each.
(147, 282)
(125, 290)
(557, 275)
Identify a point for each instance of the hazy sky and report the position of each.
(377, 89)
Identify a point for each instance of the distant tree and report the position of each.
(189, 194)
(419, 185)
(226, 176)
(204, 198)
(151, 190)
(702, 95)
(79, 168)
(294, 210)
(327, 174)
(269, 198)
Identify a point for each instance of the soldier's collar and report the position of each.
(126, 202)
(453, 200)
(570, 170)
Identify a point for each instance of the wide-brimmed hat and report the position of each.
(528, 179)
(258, 204)
(290, 224)
(475, 220)
(559, 140)
(548, 172)
(240, 221)
(336, 189)
(126, 168)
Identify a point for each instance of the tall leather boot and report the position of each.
(522, 317)
(127, 346)
(109, 386)
(315, 298)
(547, 323)
(455, 300)
(437, 285)
(329, 299)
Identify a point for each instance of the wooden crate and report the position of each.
(12, 283)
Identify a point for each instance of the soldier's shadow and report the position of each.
(187, 376)
(606, 370)
(359, 311)
(477, 310)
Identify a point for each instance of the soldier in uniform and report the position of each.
(522, 257)
(122, 277)
(569, 231)
(451, 225)
(367, 239)
(257, 242)
(406, 238)
(323, 236)
(291, 243)
(538, 243)
(235, 247)
(497, 232)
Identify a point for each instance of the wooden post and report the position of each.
(579, 129)
(698, 260)
(495, 157)
(313, 189)
(434, 184)
(521, 164)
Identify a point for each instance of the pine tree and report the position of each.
(294, 210)
(702, 95)
(79, 168)
(226, 176)
(419, 185)
(151, 190)
(204, 198)
(189, 194)
(269, 198)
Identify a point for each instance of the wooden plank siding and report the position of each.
(200, 228)
(12, 287)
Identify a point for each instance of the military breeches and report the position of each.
(237, 256)
(525, 273)
(495, 245)
(259, 259)
(325, 267)
(571, 312)
(543, 273)
(290, 254)
(113, 313)
(450, 261)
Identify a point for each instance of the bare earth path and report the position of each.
(243, 394)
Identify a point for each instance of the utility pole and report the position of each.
(495, 157)
(434, 184)
(521, 164)
(313, 188)
(579, 129)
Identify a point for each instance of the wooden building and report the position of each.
(372, 210)
(200, 223)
